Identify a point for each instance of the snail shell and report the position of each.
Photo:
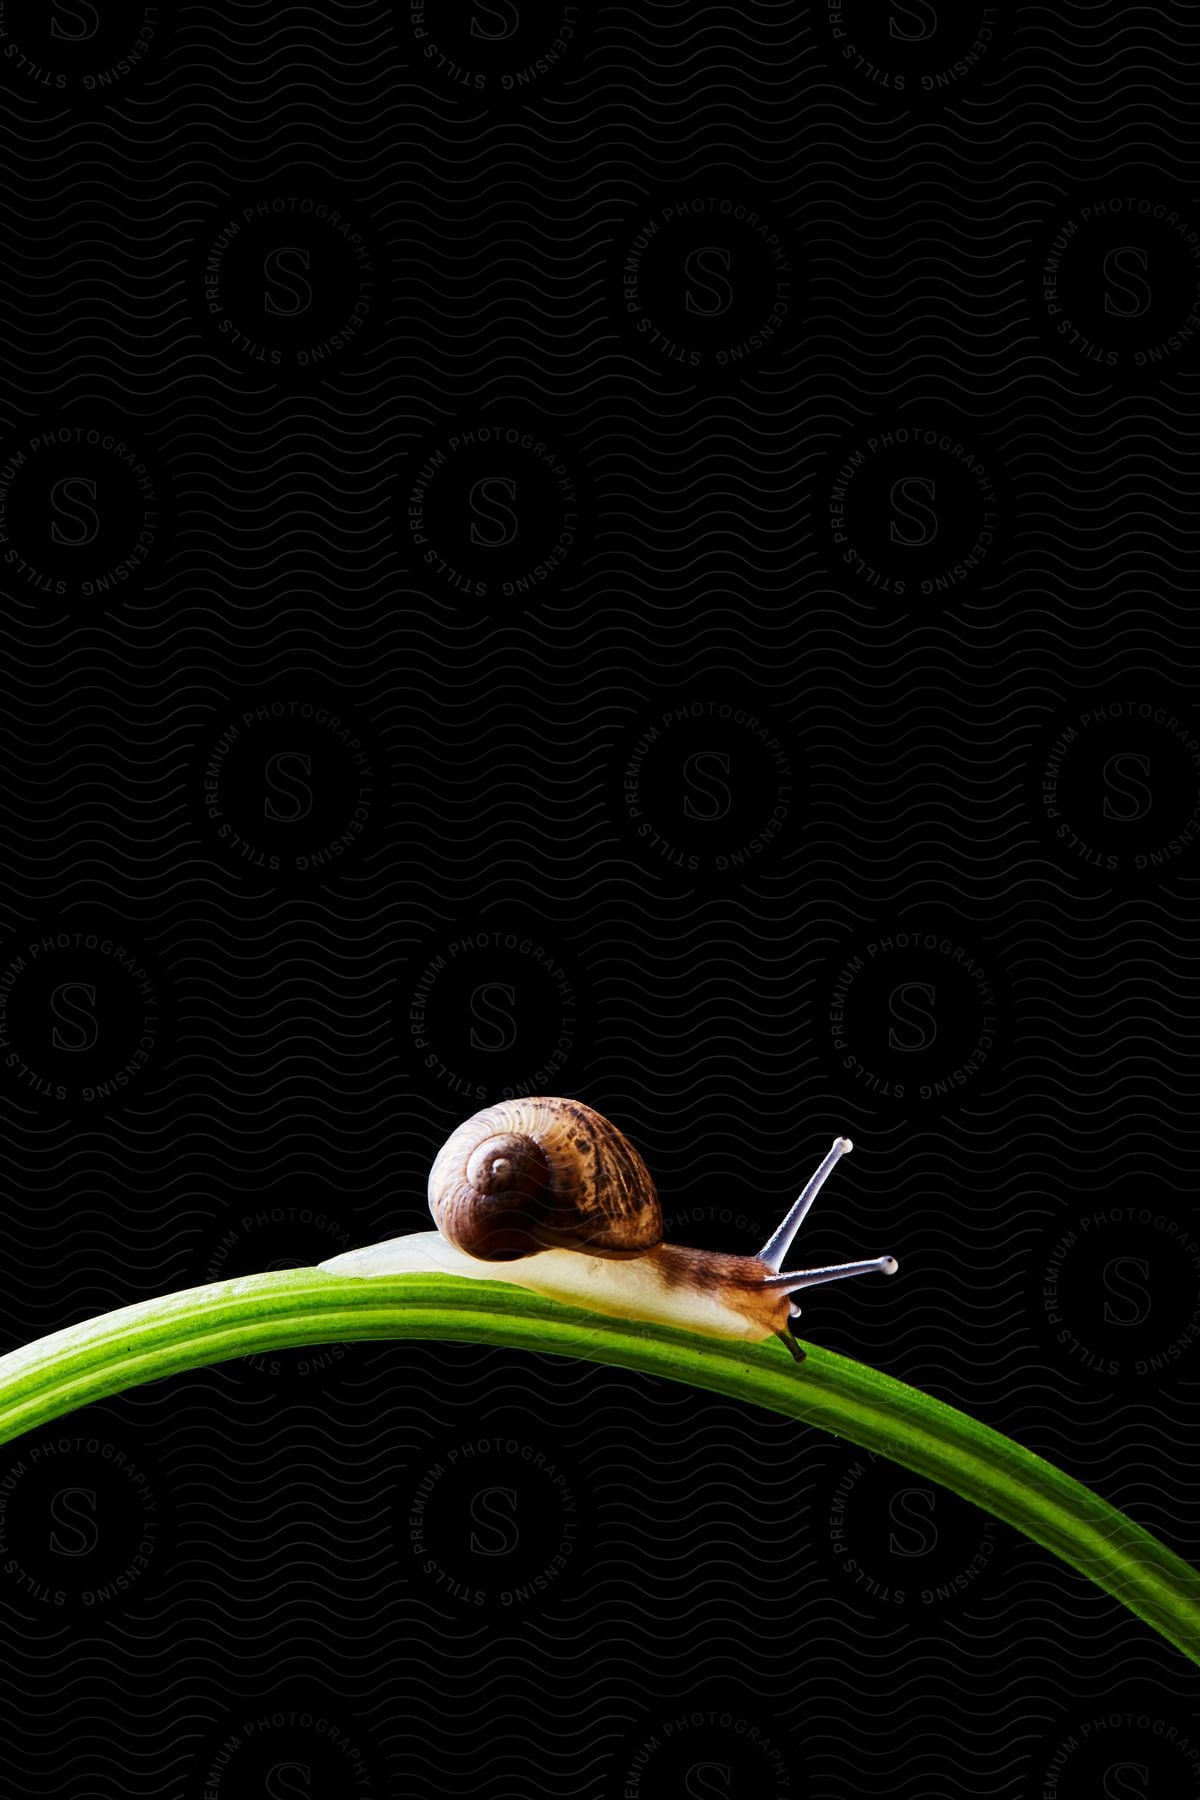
(543, 1173)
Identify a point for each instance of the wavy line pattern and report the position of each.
(643, 553)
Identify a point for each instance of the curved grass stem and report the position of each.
(296, 1307)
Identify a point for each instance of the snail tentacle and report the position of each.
(803, 1278)
(780, 1240)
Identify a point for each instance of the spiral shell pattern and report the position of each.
(542, 1173)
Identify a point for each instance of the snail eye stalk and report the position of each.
(802, 1278)
(780, 1242)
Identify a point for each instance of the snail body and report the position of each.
(545, 1193)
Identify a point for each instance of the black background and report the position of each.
(740, 841)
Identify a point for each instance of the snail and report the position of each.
(546, 1193)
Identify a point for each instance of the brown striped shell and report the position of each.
(542, 1174)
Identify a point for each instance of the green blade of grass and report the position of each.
(295, 1307)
